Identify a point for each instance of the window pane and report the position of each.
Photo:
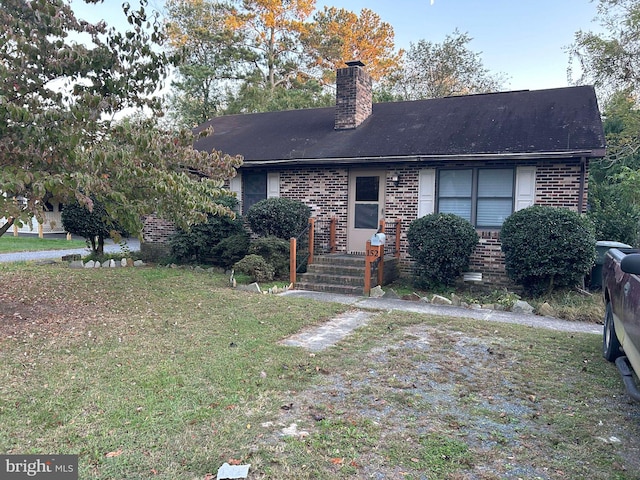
(255, 189)
(495, 183)
(458, 206)
(492, 212)
(366, 215)
(455, 183)
(367, 189)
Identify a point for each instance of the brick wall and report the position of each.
(324, 189)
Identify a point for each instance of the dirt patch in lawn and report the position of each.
(438, 403)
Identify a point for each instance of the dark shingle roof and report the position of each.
(554, 122)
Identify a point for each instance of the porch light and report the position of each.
(395, 179)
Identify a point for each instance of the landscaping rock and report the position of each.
(123, 262)
(72, 257)
(546, 310)
(254, 287)
(105, 264)
(376, 292)
(522, 307)
(391, 293)
(456, 300)
(76, 264)
(89, 264)
(138, 263)
(440, 300)
(97, 265)
(413, 297)
(129, 262)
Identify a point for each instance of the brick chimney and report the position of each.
(353, 96)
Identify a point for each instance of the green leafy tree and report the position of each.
(57, 140)
(614, 205)
(435, 70)
(610, 59)
(93, 225)
(212, 53)
(272, 29)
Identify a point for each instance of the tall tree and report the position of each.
(338, 35)
(610, 59)
(212, 53)
(434, 70)
(614, 201)
(57, 94)
(274, 28)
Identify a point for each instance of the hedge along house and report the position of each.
(479, 156)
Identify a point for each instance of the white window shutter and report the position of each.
(273, 184)
(235, 186)
(426, 192)
(525, 187)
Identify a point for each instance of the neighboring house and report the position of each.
(479, 156)
(52, 221)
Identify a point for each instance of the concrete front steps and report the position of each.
(341, 273)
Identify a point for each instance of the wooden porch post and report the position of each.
(312, 228)
(332, 235)
(367, 269)
(398, 230)
(292, 261)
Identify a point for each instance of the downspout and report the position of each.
(583, 181)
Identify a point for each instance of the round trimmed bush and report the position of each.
(275, 251)
(441, 245)
(256, 267)
(547, 248)
(279, 217)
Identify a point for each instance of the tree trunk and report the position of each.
(100, 251)
(6, 226)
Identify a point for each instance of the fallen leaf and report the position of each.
(234, 461)
(209, 476)
(117, 453)
(337, 461)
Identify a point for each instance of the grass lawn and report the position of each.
(167, 373)
(10, 244)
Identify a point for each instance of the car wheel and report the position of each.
(610, 343)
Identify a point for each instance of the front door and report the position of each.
(366, 207)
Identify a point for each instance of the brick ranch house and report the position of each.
(479, 156)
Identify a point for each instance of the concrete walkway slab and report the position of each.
(329, 333)
(390, 304)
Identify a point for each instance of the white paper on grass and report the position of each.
(227, 471)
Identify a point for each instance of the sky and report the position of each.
(525, 40)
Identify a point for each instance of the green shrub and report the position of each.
(199, 243)
(275, 251)
(614, 218)
(441, 246)
(279, 217)
(547, 248)
(229, 250)
(255, 267)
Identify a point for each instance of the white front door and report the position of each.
(366, 207)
